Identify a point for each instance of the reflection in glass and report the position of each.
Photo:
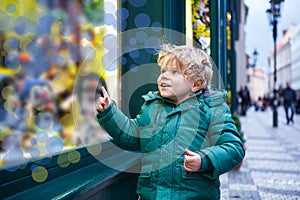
(46, 47)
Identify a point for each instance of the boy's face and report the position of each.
(172, 84)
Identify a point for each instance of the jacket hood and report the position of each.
(215, 97)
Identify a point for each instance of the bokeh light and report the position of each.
(8, 92)
(13, 159)
(44, 120)
(7, 24)
(109, 7)
(34, 152)
(45, 23)
(11, 142)
(134, 54)
(142, 20)
(62, 160)
(141, 36)
(39, 174)
(21, 25)
(42, 136)
(12, 60)
(12, 43)
(109, 19)
(89, 53)
(122, 13)
(74, 156)
(94, 149)
(110, 41)
(11, 8)
(137, 3)
(54, 145)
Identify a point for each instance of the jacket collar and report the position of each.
(210, 97)
(153, 95)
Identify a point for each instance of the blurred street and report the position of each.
(271, 168)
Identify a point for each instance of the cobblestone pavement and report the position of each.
(271, 168)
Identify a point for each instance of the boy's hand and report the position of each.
(103, 102)
(192, 161)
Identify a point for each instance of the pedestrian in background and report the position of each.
(259, 104)
(298, 104)
(289, 100)
(245, 99)
(185, 130)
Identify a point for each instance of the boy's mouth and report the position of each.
(165, 85)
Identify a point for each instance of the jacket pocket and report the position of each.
(145, 187)
(145, 175)
(190, 175)
(145, 180)
(195, 179)
(196, 186)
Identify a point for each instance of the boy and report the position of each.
(184, 131)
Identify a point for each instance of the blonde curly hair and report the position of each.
(193, 62)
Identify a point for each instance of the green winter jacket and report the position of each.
(162, 131)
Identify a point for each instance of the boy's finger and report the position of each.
(99, 106)
(100, 100)
(105, 94)
(189, 153)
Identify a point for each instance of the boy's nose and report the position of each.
(166, 75)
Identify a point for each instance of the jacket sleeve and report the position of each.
(124, 131)
(226, 147)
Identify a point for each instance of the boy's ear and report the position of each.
(198, 84)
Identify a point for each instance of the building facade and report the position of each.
(241, 58)
(283, 61)
(256, 83)
(295, 60)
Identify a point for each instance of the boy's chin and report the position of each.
(169, 97)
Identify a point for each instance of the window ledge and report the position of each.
(86, 178)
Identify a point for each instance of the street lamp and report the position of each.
(274, 15)
(255, 55)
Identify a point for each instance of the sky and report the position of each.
(258, 30)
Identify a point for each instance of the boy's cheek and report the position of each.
(158, 79)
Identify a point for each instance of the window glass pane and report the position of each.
(53, 61)
(201, 23)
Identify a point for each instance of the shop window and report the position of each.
(201, 23)
(51, 68)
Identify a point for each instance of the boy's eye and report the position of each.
(175, 72)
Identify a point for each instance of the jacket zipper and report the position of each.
(174, 155)
(154, 123)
